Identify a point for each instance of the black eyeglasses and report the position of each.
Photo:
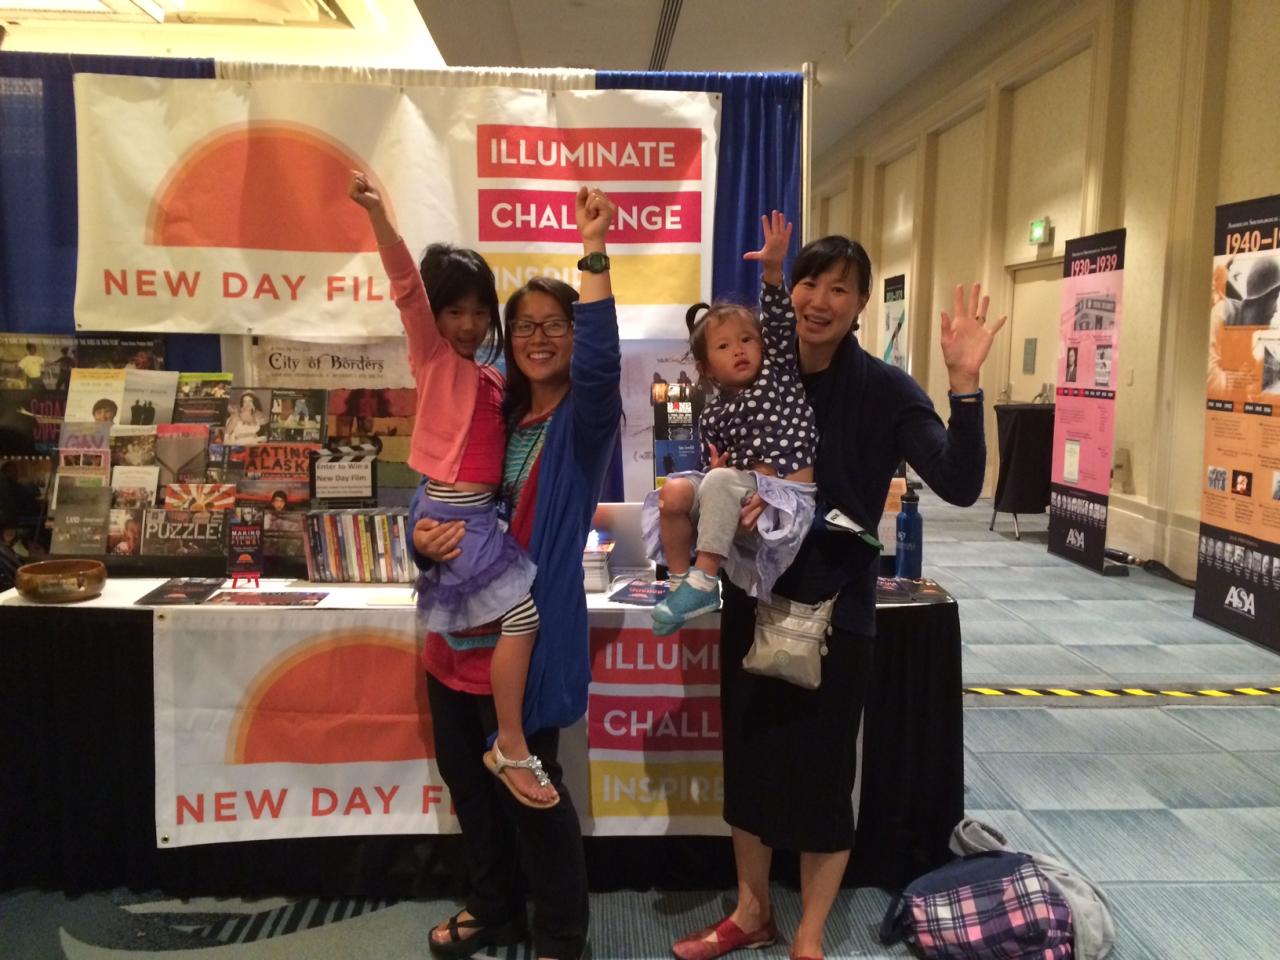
(523, 329)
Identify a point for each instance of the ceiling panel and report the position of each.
(866, 51)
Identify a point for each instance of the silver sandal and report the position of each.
(497, 763)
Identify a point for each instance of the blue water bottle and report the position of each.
(910, 536)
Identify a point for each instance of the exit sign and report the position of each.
(1040, 232)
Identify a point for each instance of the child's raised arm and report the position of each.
(363, 193)
(425, 342)
(777, 237)
(777, 318)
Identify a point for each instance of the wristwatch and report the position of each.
(594, 263)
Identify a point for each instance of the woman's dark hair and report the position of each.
(519, 397)
(820, 256)
(450, 273)
(253, 400)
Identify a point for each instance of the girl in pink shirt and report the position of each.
(450, 315)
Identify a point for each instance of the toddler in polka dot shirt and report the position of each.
(759, 437)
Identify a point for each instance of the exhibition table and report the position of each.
(79, 754)
(1026, 459)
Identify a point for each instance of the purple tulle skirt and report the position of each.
(490, 577)
(758, 560)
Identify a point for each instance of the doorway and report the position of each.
(1033, 328)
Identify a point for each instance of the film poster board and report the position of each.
(1084, 419)
(676, 443)
(1238, 562)
(893, 333)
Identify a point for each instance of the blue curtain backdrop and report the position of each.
(758, 170)
(38, 193)
(759, 162)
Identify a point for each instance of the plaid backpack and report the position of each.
(984, 906)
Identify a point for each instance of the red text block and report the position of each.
(548, 215)
(589, 153)
(648, 724)
(634, 655)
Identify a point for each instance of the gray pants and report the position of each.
(717, 507)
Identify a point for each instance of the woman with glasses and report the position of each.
(561, 415)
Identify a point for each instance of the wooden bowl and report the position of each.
(61, 581)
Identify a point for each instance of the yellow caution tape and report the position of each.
(1120, 692)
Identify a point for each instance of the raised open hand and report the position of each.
(777, 238)
(966, 338)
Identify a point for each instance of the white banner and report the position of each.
(220, 206)
(276, 723)
(292, 723)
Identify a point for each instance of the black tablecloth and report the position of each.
(77, 755)
(1026, 456)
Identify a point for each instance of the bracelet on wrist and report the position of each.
(975, 395)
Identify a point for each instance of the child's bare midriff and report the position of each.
(769, 470)
(469, 486)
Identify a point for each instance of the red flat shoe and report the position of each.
(728, 936)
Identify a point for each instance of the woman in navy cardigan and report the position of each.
(790, 753)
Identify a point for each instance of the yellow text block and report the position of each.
(625, 789)
(660, 278)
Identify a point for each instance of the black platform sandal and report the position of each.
(458, 946)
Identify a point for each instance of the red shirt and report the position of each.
(487, 437)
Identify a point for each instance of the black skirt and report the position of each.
(790, 754)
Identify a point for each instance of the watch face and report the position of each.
(594, 263)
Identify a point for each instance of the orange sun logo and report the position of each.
(262, 186)
(348, 697)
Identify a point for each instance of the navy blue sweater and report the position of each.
(870, 417)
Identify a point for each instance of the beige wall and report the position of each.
(1150, 145)
(893, 247)
(1250, 129)
(836, 216)
(1140, 114)
(1049, 123)
(957, 220)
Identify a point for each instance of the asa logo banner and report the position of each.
(220, 206)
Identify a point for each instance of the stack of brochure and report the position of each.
(596, 576)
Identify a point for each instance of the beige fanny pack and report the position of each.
(790, 640)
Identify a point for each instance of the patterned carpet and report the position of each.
(1174, 809)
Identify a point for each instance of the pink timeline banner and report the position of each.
(1084, 420)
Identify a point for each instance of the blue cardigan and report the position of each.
(575, 457)
(576, 454)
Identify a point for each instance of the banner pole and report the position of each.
(806, 153)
